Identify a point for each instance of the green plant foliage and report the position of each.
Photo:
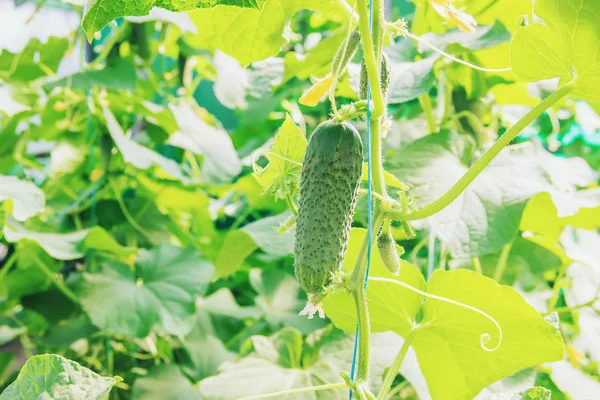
(563, 48)
(151, 155)
(158, 298)
(100, 12)
(53, 376)
(445, 328)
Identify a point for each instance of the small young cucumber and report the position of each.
(345, 53)
(385, 76)
(329, 185)
(386, 246)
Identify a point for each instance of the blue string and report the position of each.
(369, 207)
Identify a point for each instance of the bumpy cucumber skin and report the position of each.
(385, 77)
(386, 247)
(329, 184)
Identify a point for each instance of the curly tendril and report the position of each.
(484, 339)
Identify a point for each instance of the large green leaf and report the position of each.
(449, 336)
(486, 215)
(98, 13)
(565, 47)
(158, 296)
(49, 376)
(250, 35)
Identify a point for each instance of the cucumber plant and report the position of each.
(185, 185)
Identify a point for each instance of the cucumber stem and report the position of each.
(360, 300)
(393, 370)
(372, 61)
(369, 54)
(460, 186)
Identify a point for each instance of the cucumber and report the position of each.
(329, 184)
(386, 247)
(385, 76)
(345, 53)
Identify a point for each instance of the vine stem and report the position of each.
(359, 275)
(360, 301)
(57, 282)
(393, 370)
(341, 385)
(484, 161)
(405, 32)
(369, 54)
(347, 9)
(502, 262)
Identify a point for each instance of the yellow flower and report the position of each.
(313, 96)
(446, 9)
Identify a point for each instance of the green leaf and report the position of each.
(50, 376)
(98, 13)
(537, 393)
(410, 79)
(339, 306)
(8, 105)
(250, 35)
(232, 81)
(221, 161)
(278, 299)
(565, 47)
(27, 199)
(237, 246)
(118, 76)
(265, 234)
(316, 62)
(487, 214)
(267, 369)
(456, 41)
(448, 336)
(35, 61)
(543, 217)
(203, 348)
(164, 382)
(24, 322)
(98, 239)
(157, 297)
(63, 246)
(138, 155)
(282, 175)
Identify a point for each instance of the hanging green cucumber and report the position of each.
(386, 247)
(385, 76)
(329, 184)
